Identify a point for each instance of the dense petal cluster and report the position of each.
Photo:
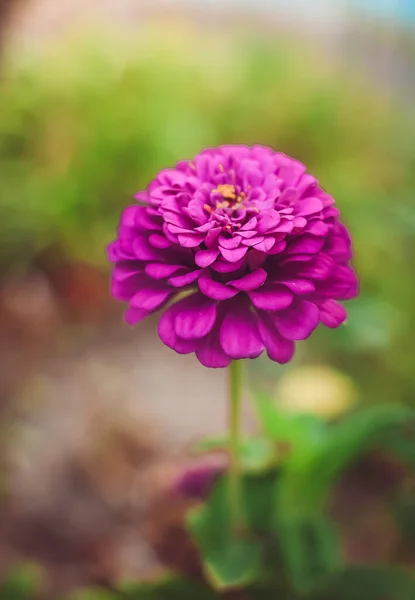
(243, 246)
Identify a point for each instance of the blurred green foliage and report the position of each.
(22, 582)
(86, 122)
(291, 544)
(292, 540)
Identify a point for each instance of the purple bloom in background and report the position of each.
(196, 482)
(246, 244)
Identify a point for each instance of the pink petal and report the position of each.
(319, 268)
(332, 314)
(305, 244)
(277, 248)
(251, 281)
(229, 243)
(268, 221)
(210, 352)
(271, 296)
(206, 227)
(252, 175)
(175, 229)
(141, 196)
(298, 258)
(285, 226)
(299, 222)
(134, 315)
(143, 250)
(331, 212)
(125, 270)
(308, 206)
(128, 216)
(169, 235)
(317, 227)
(161, 270)
(171, 177)
(253, 241)
(212, 236)
(251, 224)
(144, 220)
(289, 170)
(221, 266)
(112, 251)
(299, 286)
(178, 220)
(126, 288)
(169, 336)
(183, 280)
(298, 321)
(342, 284)
(150, 298)
(246, 234)
(159, 241)
(214, 289)
(339, 244)
(235, 255)
(239, 335)
(271, 182)
(205, 167)
(325, 198)
(188, 240)
(204, 258)
(265, 245)
(196, 212)
(171, 204)
(278, 348)
(255, 259)
(195, 317)
(306, 182)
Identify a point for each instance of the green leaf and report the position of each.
(400, 442)
(255, 454)
(259, 496)
(21, 583)
(345, 441)
(298, 431)
(229, 562)
(404, 510)
(268, 593)
(309, 547)
(167, 588)
(370, 584)
(230, 559)
(94, 594)
(308, 541)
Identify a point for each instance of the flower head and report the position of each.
(246, 249)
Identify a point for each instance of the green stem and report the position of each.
(235, 401)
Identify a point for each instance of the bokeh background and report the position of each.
(95, 97)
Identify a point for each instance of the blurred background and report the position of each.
(95, 98)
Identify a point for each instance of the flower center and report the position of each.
(230, 200)
(227, 191)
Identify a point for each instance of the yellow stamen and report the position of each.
(221, 168)
(208, 208)
(227, 191)
(255, 209)
(224, 204)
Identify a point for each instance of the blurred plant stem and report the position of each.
(235, 401)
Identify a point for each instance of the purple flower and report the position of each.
(248, 246)
(196, 482)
